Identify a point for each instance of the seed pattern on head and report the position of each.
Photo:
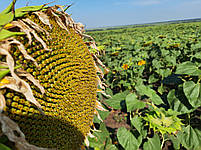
(69, 78)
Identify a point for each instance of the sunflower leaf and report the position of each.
(6, 34)
(24, 10)
(6, 18)
(9, 8)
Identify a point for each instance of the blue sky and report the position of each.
(100, 13)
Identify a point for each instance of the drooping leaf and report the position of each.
(127, 139)
(176, 104)
(21, 72)
(193, 93)
(44, 18)
(152, 143)
(24, 88)
(190, 138)
(28, 31)
(188, 68)
(133, 103)
(4, 72)
(116, 100)
(145, 90)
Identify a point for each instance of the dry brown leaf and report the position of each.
(43, 18)
(58, 19)
(35, 26)
(35, 35)
(2, 102)
(98, 70)
(4, 64)
(100, 63)
(23, 88)
(97, 114)
(14, 134)
(100, 83)
(86, 141)
(23, 29)
(90, 135)
(99, 106)
(10, 61)
(23, 51)
(68, 20)
(22, 72)
(103, 92)
(79, 27)
(27, 30)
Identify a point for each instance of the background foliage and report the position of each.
(154, 81)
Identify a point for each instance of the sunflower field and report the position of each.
(153, 91)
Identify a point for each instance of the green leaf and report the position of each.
(127, 139)
(6, 34)
(176, 104)
(193, 93)
(138, 124)
(111, 147)
(103, 115)
(175, 141)
(7, 15)
(190, 138)
(3, 147)
(133, 103)
(171, 59)
(188, 68)
(6, 18)
(145, 90)
(9, 8)
(116, 100)
(164, 72)
(152, 143)
(102, 135)
(108, 145)
(109, 91)
(24, 10)
(4, 73)
(152, 79)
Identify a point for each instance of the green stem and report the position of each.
(17, 67)
(3, 73)
(199, 79)
(162, 142)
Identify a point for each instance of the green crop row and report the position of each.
(155, 81)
